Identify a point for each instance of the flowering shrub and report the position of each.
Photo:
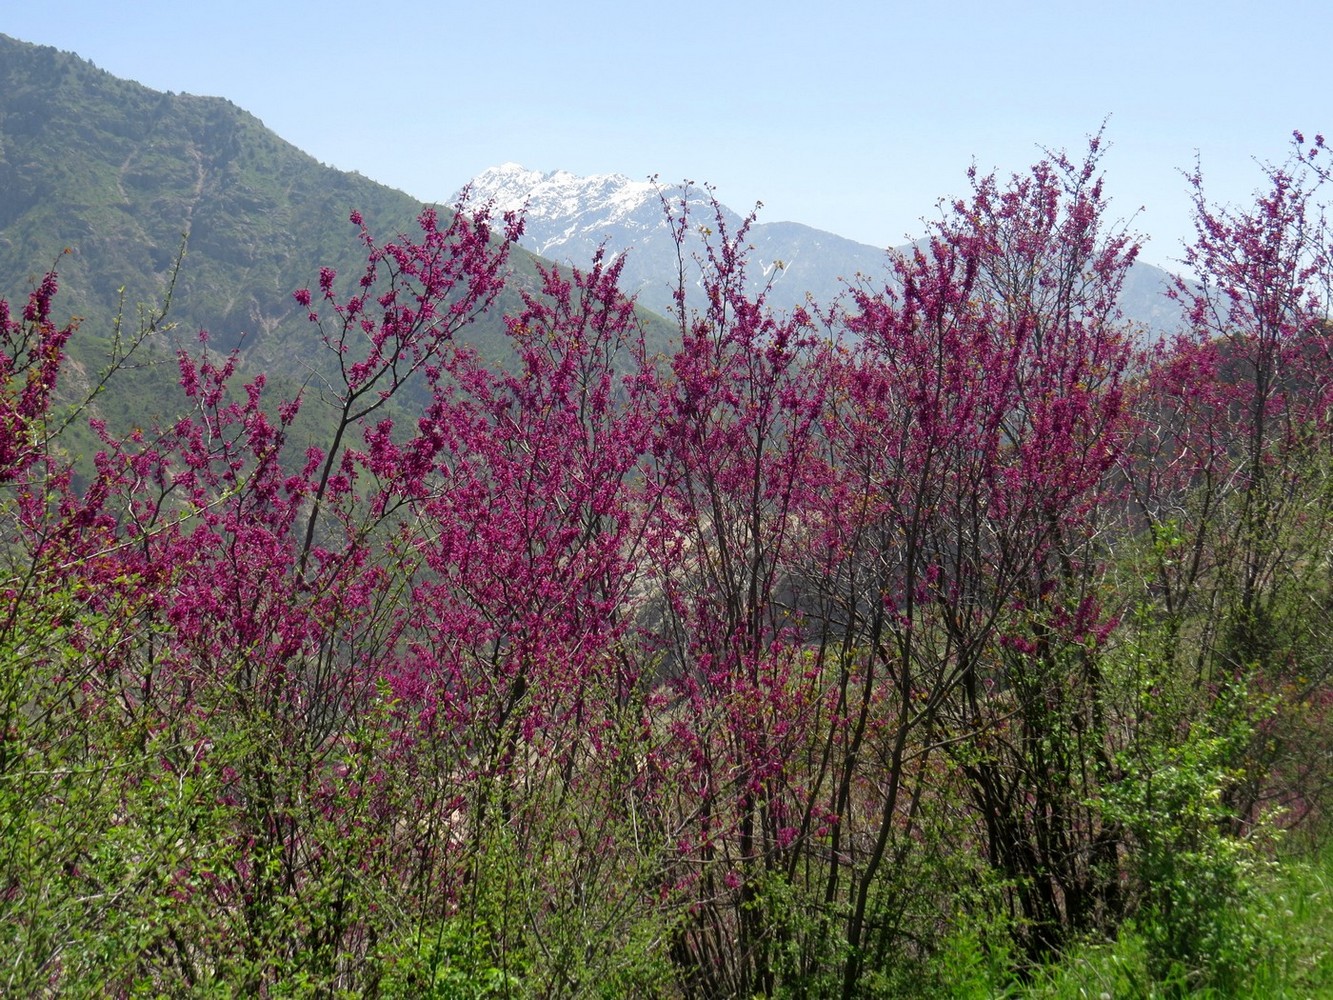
(713, 673)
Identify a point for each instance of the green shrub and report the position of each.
(1198, 913)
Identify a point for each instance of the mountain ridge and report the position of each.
(106, 180)
(569, 216)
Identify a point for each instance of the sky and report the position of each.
(857, 118)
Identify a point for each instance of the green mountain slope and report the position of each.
(104, 178)
(118, 173)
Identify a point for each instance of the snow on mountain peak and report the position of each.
(569, 218)
(559, 198)
(507, 185)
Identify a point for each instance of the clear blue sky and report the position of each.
(851, 117)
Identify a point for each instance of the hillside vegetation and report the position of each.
(112, 182)
(119, 174)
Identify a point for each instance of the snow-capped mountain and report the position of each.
(567, 217)
(563, 208)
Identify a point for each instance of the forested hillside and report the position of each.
(119, 174)
(111, 182)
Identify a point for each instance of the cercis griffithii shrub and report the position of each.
(721, 671)
(1229, 475)
(243, 669)
(986, 409)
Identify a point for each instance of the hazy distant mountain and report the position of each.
(568, 217)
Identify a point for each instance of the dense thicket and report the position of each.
(769, 665)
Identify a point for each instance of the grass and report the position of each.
(1288, 927)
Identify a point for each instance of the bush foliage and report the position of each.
(895, 648)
